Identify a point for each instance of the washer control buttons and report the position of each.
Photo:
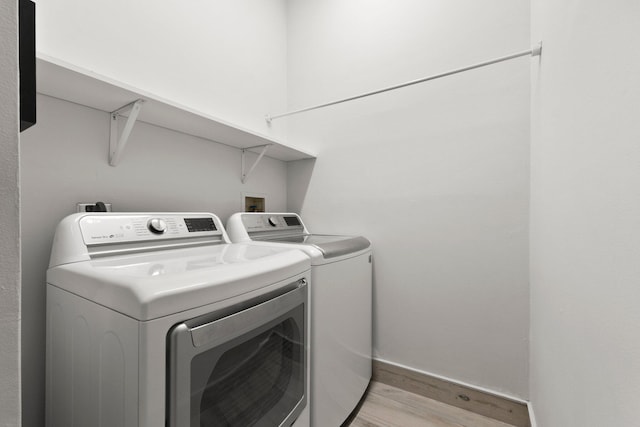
(273, 221)
(157, 225)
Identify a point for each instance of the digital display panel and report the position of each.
(200, 224)
(292, 220)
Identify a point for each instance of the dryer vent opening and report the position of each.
(254, 204)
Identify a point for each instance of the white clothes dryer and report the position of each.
(155, 319)
(341, 300)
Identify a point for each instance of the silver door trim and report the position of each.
(218, 331)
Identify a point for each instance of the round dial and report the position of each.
(157, 225)
(273, 221)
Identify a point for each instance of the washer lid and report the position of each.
(146, 286)
(330, 246)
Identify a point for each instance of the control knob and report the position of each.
(273, 221)
(157, 225)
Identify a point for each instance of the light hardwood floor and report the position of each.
(388, 406)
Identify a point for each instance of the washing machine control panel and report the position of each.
(126, 228)
(271, 222)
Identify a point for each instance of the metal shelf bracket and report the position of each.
(245, 175)
(117, 143)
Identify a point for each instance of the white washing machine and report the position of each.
(341, 294)
(154, 319)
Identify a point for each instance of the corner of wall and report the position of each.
(10, 403)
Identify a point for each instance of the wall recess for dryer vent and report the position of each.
(254, 204)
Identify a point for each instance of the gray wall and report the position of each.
(9, 218)
(436, 175)
(585, 214)
(64, 161)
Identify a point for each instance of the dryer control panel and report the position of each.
(88, 235)
(124, 228)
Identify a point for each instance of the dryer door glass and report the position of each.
(256, 380)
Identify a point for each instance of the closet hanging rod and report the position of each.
(535, 51)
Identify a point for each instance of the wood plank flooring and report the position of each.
(455, 394)
(388, 406)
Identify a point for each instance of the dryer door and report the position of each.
(245, 369)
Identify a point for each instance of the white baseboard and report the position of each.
(458, 382)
